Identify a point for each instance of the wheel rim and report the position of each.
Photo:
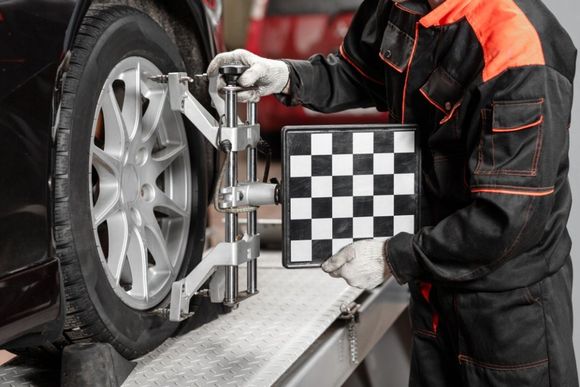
(140, 184)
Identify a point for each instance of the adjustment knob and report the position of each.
(232, 72)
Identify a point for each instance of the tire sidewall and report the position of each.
(132, 35)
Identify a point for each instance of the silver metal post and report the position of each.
(231, 226)
(252, 216)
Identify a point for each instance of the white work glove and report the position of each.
(362, 264)
(268, 75)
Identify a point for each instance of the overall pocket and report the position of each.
(502, 338)
(511, 139)
(395, 51)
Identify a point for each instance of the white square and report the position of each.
(300, 251)
(362, 143)
(342, 165)
(403, 223)
(321, 228)
(384, 164)
(321, 186)
(342, 207)
(321, 144)
(300, 166)
(383, 205)
(338, 244)
(363, 185)
(363, 227)
(300, 208)
(404, 184)
(404, 142)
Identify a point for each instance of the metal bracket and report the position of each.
(234, 199)
(181, 100)
(249, 194)
(224, 254)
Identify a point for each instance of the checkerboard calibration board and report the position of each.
(346, 183)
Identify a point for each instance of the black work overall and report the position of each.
(489, 85)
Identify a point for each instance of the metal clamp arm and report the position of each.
(181, 100)
(224, 254)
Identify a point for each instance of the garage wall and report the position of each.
(567, 12)
(236, 16)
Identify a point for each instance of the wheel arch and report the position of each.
(186, 22)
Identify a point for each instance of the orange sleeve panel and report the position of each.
(506, 35)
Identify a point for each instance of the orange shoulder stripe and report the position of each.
(506, 35)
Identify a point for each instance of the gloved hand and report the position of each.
(268, 75)
(362, 264)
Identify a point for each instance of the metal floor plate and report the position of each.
(28, 374)
(256, 343)
(252, 346)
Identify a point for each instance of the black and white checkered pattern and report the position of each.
(346, 184)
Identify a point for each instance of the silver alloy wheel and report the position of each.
(140, 182)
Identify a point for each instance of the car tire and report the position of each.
(96, 308)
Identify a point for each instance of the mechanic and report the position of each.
(489, 85)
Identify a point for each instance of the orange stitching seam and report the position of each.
(513, 192)
(462, 358)
(398, 69)
(409, 71)
(351, 62)
(431, 101)
(517, 128)
(407, 10)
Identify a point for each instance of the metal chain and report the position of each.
(350, 312)
(353, 341)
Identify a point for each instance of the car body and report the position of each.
(37, 36)
(299, 29)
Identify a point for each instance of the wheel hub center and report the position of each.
(130, 184)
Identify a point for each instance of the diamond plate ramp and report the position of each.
(255, 344)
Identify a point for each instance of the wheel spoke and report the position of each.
(156, 244)
(107, 204)
(115, 129)
(104, 163)
(132, 104)
(137, 256)
(152, 117)
(164, 158)
(166, 205)
(118, 243)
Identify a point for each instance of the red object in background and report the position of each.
(298, 29)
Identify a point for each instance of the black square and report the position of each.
(298, 143)
(405, 163)
(300, 187)
(384, 141)
(341, 185)
(342, 228)
(383, 226)
(300, 229)
(404, 204)
(341, 143)
(383, 184)
(321, 208)
(322, 165)
(362, 164)
(321, 249)
(362, 206)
